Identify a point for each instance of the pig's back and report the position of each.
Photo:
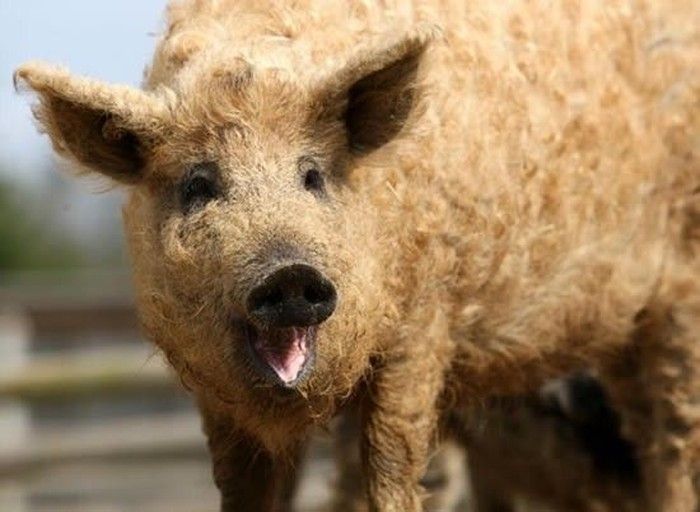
(547, 128)
(555, 136)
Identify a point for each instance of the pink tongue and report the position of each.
(286, 353)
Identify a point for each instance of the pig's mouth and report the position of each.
(283, 355)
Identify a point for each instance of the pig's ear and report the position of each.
(104, 128)
(377, 88)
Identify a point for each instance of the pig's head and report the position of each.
(254, 250)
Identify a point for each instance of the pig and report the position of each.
(412, 203)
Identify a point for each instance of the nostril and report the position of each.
(274, 297)
(265, 298)
(314, 295)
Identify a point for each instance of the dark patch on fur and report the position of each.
(597, 428)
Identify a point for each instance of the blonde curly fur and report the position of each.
(534, 211)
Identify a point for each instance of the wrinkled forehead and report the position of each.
(222, 86)
(231, 109)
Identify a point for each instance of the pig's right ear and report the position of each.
(104, 128)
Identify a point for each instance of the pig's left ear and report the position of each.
(374, 92)
(103, 128)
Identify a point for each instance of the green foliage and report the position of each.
(26, 243)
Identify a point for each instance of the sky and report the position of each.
(110, 40)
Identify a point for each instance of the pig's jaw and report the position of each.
(285, 354)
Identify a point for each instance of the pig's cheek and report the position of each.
(187, 252)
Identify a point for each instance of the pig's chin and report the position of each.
(284, 356)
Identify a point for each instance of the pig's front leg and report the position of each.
(248, 477)
(400, 417)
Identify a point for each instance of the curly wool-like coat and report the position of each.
(560, 449)
(501, 191)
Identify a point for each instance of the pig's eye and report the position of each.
(313, 179)
(198, 187)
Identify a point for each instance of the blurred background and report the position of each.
(90, 419)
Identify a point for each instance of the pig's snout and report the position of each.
(295, 295)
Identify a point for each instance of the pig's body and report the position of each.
(535, 212)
